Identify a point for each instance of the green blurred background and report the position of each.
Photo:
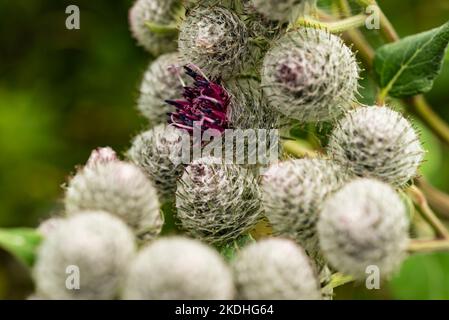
(64, 92)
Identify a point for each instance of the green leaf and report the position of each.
(230, 249)
(409, 67)
(21, 243)
(423, 277)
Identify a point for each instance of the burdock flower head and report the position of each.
(205, 102)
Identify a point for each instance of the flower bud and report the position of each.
(275, 269)
(119, 188)
(217, 202)
(215, 40)
(377, 142)
(161, 81)
(177, 269)
(84, 258)
(101, 155)
(293, 193)
(248, 107)
(161, 12)
(158, 152)
(310, 75)
(46, 227)
(362, 225)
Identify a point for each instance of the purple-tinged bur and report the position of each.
(205, 102)
(102, 156)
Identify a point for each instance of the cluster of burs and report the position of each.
(339, 212)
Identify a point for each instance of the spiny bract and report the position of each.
(293, 193)
(364, 224)
(215, 40)
(248, 107)
(119, 188)
(159, 153)
(310, 75)
(377, 142)
(93, 247)
(161, 12)
(162, 81)
(249, 115)
(178, 268)
(275, 269)
(101, 155)
(217, 202)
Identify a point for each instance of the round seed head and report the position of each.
(161, 81)
(158, 152)
(215, 40)
(161, 12)
(119, 188)
(310, 75)
(93, 248)
(216, 202)
(377, 142)
(275, 269)
(293, 193)
(364, 224)
(176, 269)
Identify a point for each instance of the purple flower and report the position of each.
(205, 102)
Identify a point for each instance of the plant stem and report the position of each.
(344, 7)
(354, 36)
(437, 199)
(387, 30)
(364, 50)
(162, 29)
(417, 104)
(334, 26)
(428, 246)
(420, 107)
(427, 213)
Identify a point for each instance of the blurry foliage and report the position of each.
(64, 92)
(422, 277)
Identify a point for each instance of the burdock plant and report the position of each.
(205, 102)
(217, 202)
(339, 200)
(371, 230)
(377, 142)
(178, 268)
(293, 194)
(162, 80)
(310, 75)
(119, 188)
(215, 39)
